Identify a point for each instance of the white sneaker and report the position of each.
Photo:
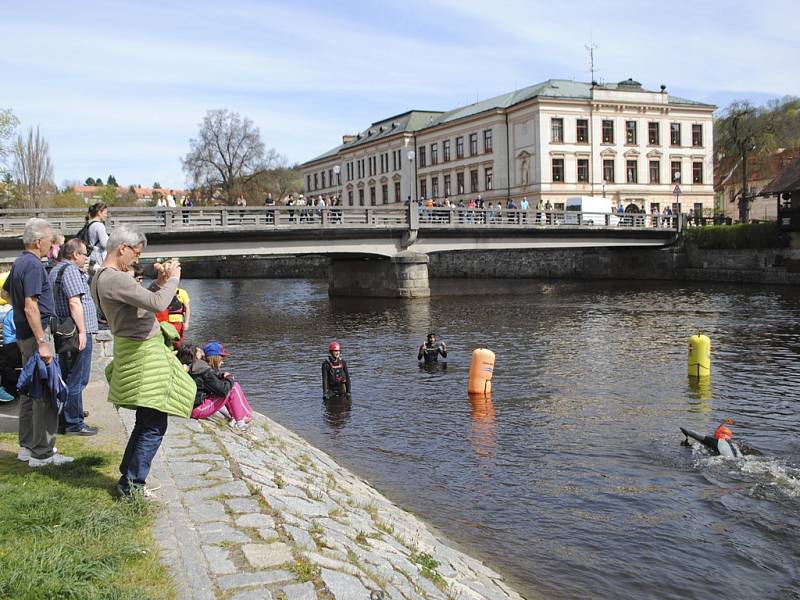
(56, 459)
(24, 454)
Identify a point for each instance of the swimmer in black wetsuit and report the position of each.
(430, 350)
(720, 443)
(335, 377)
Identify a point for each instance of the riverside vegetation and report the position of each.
(63, 534)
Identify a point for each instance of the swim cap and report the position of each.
(334, 346)
(723, 433)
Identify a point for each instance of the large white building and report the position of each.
(547, 142)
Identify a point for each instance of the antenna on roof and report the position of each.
(591, 48)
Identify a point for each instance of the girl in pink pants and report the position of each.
(215, 391)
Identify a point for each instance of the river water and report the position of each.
(572, 481)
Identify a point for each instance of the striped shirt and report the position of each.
(73, 283)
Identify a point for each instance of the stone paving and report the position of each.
(262, 514)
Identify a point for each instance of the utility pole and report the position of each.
(591, 47)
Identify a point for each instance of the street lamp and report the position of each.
(411, 156)
(336, 170)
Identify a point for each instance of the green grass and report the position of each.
(63, 534)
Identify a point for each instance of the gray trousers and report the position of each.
(38, 420)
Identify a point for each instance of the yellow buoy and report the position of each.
(699, 356)
(480, 371)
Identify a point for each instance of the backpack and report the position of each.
(83, 235)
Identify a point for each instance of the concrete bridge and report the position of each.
(374, 251)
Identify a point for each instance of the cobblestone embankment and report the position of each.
(262, 514)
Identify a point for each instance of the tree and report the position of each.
(89, 181)
(98, 181)
(280, 180)
(33, 168)
(112, 181)
(227, 154)
(8, 124)
(156, 186)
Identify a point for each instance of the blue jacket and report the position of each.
(37, 376)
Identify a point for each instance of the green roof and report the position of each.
(417, 120)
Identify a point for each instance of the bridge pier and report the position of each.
(402, 276)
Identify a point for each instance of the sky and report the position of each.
(121, 87)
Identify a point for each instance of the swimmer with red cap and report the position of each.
(720, 443)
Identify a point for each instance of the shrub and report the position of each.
(738, 237)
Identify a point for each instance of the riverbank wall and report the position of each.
(679, 263)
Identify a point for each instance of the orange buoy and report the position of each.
(480, 372)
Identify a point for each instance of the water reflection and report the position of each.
(483, 428)
(700, 395)
(337, 411)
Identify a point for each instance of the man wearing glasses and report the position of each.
(145, 375)
(72, 298)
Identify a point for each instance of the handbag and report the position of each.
(64, 330)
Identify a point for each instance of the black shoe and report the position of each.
(85, 414)
(85, 430)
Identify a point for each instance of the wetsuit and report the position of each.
(430, 352)
(335, 378)
(720, 447)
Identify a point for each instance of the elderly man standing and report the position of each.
(30, 294)
(72, 298)
(145, 375)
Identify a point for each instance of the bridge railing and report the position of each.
(397, 217)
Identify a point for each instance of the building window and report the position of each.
(460, 147)
(330, 176)
(435, 186)
(632, 171)
(385, 194)
(316, 181)
(675, 134)
(423, 162)
(423, 188)
(350, 198)
(487, 179)
(434, 153)
(308, 183)
(655, 208)
(608, 131)
(473, 181)
(446, 150)
(675, 171)
(653, 134)
(372, 199)
(557, 131)
(322, 175)
(460, 182)
(361, 197)
(655, 171)
(697, 135)
(558, 169)
(583, 170)
(397, 191)
(608, 170)
(339, 178)
(473, 144)
(446, 186)
(394, 160)
(697, 172)
(487, 140)
(630, 132)
(582, 131)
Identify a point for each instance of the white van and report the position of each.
(595, 209)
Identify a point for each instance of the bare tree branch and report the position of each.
(33, 168)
